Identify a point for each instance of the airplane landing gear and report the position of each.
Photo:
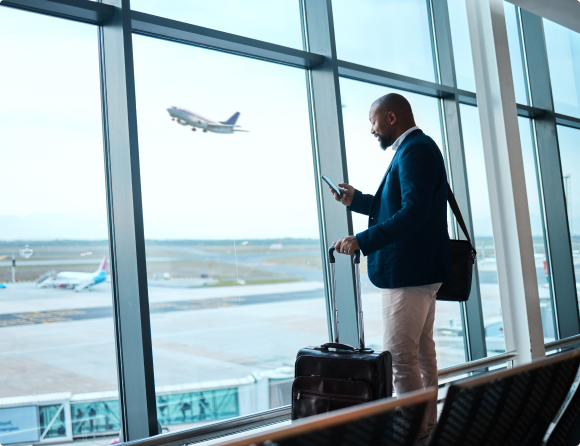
(193, 129)
(173, 119)
(204, 131)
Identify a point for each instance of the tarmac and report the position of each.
(198, 334)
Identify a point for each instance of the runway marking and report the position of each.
(51, 317)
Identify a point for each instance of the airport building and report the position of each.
(164, 229)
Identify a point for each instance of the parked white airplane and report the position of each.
(185, 117)
(75, 280)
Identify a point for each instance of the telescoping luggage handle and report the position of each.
(358, 301)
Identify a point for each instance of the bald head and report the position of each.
(394, 102)
(390, 117)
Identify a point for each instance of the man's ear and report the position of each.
(392, 118)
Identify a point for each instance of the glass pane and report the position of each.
(461, 45)
(563, 47)
(463, 56)
(570, 158)
(231, 226)
(537, 223)
(367, 164)
(481, 214)
(276, 21)
(514, 42)
(359, 27)
(56, 325)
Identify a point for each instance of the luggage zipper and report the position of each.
(298, 396)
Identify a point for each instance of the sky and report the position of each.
(276, 21)
(462, 48)
(392, 35)
(50, 129)
(258, 184)
(208, 186)
(563, 47)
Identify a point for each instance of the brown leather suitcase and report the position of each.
(334, 375)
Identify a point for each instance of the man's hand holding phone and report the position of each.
(343, 192)
(347, 194)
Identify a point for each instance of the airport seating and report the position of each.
(509, 408)
(566, 431)
(514, 407)
(393, 422)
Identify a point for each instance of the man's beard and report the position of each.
(384, 142)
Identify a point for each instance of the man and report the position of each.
(407, 244)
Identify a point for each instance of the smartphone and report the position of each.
(333, 186)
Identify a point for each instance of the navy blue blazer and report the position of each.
(407, 242)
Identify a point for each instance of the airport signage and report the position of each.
(19, 425)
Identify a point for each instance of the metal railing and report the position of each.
(563, 343)
(261, 419)
(217, 429)
(478, 364)
(281, 414)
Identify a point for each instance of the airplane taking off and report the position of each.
(185, 117)
(75, 280)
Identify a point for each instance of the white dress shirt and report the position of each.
(401, 138)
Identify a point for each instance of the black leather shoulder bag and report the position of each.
(463, 257)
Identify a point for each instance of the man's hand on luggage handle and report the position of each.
(346, 245)
(347, 194)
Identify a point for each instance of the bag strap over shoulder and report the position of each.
(457, 212)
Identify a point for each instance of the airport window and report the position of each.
(483, 231)
(367, 164)
(481, 213)
(462, 54)
(563, 48)
(56, 321)
(570, 159)
(537, 225)
(275, 21)
(514, 43)
(231, 226)
(229, 202)
(383, 34)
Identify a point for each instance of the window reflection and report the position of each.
(367, 164)
(232, 239)
(391, 35)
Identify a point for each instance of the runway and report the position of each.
(43, 317)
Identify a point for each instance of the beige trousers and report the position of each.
(408, 316)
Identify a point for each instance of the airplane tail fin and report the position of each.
(232, 120)
(103, 265)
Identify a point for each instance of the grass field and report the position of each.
(223, 260)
